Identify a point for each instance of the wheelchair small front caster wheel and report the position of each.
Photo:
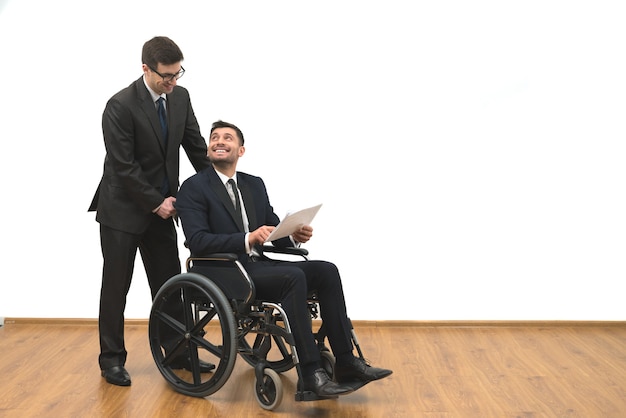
(269, 390)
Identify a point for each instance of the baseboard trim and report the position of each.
(360, 323)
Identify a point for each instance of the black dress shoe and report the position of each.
(116, 375)
(205, 367)
(320, 384)
(358, 371)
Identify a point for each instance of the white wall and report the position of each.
(469, 155)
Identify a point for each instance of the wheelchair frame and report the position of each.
(210, 327)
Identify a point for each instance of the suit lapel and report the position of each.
(149, 108)
(176, 109)
(220, 190)
(248, 201)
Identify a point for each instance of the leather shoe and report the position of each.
(358, 370)
(205, 367)
(116, 375)
(320, 384)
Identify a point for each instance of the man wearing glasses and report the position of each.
(144, 126)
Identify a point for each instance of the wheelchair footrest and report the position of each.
(308, 395)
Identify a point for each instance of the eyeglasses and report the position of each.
(170, 77)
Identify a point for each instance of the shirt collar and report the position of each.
(155, 96)
(224, 178)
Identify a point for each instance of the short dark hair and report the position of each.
(222, 124)
(160, 49)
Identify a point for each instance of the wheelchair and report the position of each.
(215, 317)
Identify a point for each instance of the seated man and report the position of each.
(219, 218)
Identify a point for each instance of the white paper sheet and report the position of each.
(293, 221)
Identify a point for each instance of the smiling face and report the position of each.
(161, 79)
(224, 149)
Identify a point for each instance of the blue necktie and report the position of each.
(165, 188)
(162, 118)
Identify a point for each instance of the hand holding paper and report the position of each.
(293, 222)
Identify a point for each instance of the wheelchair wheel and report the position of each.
(279, 358)
(192, 322)
(269, 390)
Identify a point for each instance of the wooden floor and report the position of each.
(539, 370)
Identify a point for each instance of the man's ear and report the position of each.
(242, 150)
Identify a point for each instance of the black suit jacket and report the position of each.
(137, 161)
(209, 220)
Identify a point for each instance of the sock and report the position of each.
(344, 358)
(309, 368)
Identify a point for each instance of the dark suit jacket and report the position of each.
(137, 161)
(209, 220)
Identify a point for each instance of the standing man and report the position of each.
(144, 126)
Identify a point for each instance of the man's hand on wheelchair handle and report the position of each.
(167, 209)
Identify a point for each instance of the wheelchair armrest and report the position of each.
(287, 250)
(211, 257)
(215, 257)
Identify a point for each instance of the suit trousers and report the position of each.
(158, 247)
(289, 283)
